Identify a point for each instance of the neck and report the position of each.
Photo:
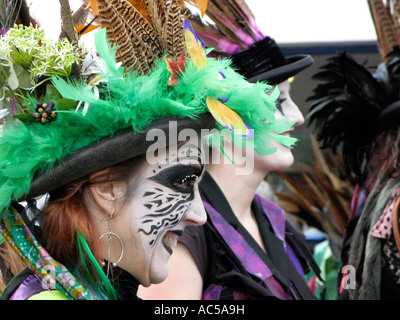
(239, 190)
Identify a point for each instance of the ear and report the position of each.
(106, 194)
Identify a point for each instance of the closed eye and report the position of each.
(187, 183)
(180, 178)
(279, 103)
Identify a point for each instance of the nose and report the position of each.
(196, 214)
(293, 113)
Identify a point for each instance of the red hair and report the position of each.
(65, 217)
(66, 214)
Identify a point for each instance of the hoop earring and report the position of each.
(110, 234)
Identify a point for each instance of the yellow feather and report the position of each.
(195, 50)
(228, 118)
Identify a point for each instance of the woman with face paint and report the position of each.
(246, 250)
(114, 148)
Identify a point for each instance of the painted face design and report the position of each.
(163, 199)
(168, 201)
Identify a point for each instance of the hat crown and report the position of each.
(262, 56)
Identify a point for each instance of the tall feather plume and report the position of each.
(385, 19)
(142, 30)
(132, 51)
(233, 28)
(167, 18)
(141, 6)
(396, 15)
(156, 9)
(173, 31)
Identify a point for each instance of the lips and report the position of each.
(287, 133)
(170, 239)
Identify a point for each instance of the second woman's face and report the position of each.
(283, 157)
(165, 200)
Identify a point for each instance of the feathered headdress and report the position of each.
(67, 113)
(234, 33)
(353, 106)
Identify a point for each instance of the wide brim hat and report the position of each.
(123, 145)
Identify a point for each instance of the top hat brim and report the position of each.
(296, 64)
(123, 145)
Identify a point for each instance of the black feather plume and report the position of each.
(347, 106)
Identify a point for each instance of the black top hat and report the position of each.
(264, 61)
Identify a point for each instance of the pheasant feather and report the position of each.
(140, 29)
(173, 31)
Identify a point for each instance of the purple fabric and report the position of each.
(239, 245)
(275, 215)
(30, 286)
(292, 256)
(247, 256)
(213, 292)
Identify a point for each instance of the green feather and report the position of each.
(129, 100)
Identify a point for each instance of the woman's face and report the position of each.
(283, 157)
(165, 200)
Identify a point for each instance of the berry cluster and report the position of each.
(45, 112)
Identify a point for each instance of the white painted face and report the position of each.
(283, 157)
(165, 201)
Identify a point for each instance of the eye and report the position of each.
(279, 103)
(187, 182)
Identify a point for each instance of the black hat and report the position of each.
(123, 145)
(235, 34)
(264, 61)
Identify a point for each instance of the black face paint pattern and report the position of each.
(168, 203)
(279, 103)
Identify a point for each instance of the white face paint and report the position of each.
(283, 157)
(166, 200)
